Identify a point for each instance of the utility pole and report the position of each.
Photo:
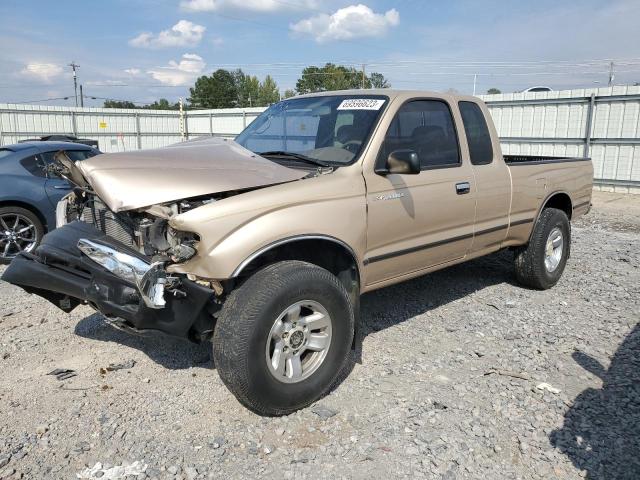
(611, 74)
(73, 65)
(364, 75)
(81, 97)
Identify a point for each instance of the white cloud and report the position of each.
(182, 34)
(354, 21)
(133, 71)
(251, 5)
(180, 73)
(217, 42)
(117, 83)
(44, 72)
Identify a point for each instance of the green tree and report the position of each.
(493, 91)
(269, 92)
(249, 90)
(219, 90)
(337, 77)
(162, 104)
(378, 80)
(288, 93)
(118, 104)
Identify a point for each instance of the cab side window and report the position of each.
(478, 136)
(426, 127)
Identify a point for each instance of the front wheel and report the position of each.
(540, 263)
(283, 337)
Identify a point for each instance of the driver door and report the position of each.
(419, 221)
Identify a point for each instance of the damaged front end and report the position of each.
(116, 262)
(114, 241)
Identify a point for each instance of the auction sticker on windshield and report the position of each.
(361, 104)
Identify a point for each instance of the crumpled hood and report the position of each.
(131, 180)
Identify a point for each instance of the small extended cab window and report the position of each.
(426, 127)
(478, 137)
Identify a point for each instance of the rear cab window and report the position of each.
(477, 131)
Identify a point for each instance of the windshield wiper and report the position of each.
(296, 156)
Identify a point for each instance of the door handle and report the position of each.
(62, 187)
(463, 187)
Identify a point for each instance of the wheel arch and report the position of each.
(324, 251)
(560, 200)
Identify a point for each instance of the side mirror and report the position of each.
(402, 162)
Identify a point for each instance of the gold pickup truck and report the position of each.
(265, 244)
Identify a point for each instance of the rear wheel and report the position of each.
(540, 263)
(20, 231)
(283, 337)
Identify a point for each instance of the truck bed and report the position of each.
(514, 160)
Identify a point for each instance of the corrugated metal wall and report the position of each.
(603, 123)
(120, 129)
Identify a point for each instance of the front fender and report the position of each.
(326, 207)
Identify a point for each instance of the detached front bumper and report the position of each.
(117, 280)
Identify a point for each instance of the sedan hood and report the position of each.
(131, 180)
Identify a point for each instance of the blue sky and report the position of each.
(142, 50)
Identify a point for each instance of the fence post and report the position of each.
(211, 124)
(73, 124)
(186, 125)
(587, 135)
(244, 119)
(138, 136)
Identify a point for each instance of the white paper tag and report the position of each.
(361, 104)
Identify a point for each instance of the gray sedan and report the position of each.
(28, 195)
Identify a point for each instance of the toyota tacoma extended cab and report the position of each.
(263, 245)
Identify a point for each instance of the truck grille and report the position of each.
(97, 214)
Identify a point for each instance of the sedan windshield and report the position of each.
(330, 129)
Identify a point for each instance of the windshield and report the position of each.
(332, 129)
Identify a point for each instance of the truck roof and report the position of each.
(392, 93)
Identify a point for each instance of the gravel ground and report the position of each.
(451, 383)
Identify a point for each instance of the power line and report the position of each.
(45, 100)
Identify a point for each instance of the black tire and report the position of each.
(31, 217)
(530, 259)
(243, 327)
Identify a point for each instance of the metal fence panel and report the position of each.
(603, 123)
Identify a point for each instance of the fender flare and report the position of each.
(238, 270)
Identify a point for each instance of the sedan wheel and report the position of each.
(20, 231)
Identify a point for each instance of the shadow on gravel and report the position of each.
(170, 352)
(601, 431)
(379, 310)
(392, 305)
